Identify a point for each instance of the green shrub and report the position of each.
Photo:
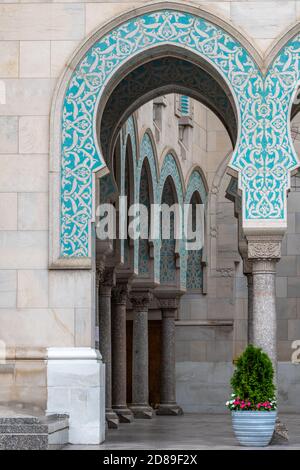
(253, 378)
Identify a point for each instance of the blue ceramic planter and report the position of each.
(253, 428)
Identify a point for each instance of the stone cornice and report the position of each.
(264, 249)
(170, 303)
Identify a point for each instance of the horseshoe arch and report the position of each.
(75, 150)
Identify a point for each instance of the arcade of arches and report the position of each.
(166, 104)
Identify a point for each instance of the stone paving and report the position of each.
(187, 432)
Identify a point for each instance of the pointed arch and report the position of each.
(146, 196)
(196, 193)
(147, 151)
(170, 166)
(196, 182)
(147, 155)
(170, 169)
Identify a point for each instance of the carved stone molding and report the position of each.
(105, 276)
(264, 266)
(108, 281)
(225, 272)
(140, 300)
(109, 278)
(264, 249)
(100, 270)
(214, 189)
(213, 232)
(170, 303)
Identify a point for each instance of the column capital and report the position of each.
(100, 270)
(119, 293)
(169, 304)
(109, 278)
(140, 300)
(105, 276)
(264, 247)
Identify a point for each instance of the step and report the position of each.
(21, 431)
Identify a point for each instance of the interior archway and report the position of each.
(174, 72)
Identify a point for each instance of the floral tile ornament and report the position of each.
(264, 153)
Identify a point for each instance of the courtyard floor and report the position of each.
(187, 432)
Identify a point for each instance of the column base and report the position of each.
(124, 414)
(142, 411)
(169, 409)
(280, 435)
(111, 419)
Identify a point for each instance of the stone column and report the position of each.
(106, 280)
(250, 307)
(168, 405)
(119, 403)
(264, 254)
(140, 355)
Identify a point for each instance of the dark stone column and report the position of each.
(168, 405)
(119, 403)
(140, 355)
(106, 280)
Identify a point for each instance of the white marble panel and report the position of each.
(9, 133)
(34, 134)
(23, 250)
(33, 211)
(9, 64)
(23, 173)
(8, 288)
(61, 51)
(35, 59)
(8, 211)
(32, 288)
(76, 383)
(41, 21)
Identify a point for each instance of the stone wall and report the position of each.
(203, 387)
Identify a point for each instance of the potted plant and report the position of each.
(253, 404)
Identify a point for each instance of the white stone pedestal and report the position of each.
(76, 386)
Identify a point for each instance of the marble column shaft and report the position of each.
(168, 403)
(265, 255)
(264, 325)
(119, 402)
(250, 307)
(140, 355)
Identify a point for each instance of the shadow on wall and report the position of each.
(204, 387)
